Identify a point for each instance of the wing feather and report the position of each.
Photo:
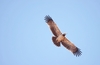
(70, 46)
(55, 30)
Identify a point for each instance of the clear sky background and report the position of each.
(25, 38)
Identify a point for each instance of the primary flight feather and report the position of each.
(60, 38)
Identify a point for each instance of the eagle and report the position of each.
(60, 38)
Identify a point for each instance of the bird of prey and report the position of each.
(60, 38)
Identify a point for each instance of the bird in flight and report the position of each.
(60, 38)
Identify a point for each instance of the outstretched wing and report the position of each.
(70, 46)
(55, 30)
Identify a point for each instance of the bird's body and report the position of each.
(60, 38)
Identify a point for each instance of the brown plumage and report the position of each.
(60, 38)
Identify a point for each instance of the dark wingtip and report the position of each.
(78, 53)
(48, 18)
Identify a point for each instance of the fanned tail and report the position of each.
(55, 42)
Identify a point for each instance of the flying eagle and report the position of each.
(60, 38)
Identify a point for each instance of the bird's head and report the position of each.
(64, 34)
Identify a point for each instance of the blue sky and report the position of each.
(25, 38)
